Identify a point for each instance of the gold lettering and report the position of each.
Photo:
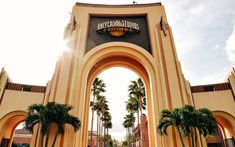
(119, 25)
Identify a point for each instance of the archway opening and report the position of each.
(9, 125)
(120, 60)
(117, 81)
(227, 127)
(226, 130)
(216, 140)
(21, 137)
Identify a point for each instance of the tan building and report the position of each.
(144, 132)
(137, 37)
(94, 139)
(22, 136)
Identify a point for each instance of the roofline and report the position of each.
(211, 87)
(118, 6)
(203, 85)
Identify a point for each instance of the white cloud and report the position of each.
(197, 9)
(230, 46)
(216, 77)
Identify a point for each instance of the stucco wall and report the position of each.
(215, 101)
(18, 100)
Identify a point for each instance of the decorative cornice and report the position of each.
(118, 6)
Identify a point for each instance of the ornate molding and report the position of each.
(118, 6)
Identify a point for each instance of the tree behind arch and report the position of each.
(98, 87)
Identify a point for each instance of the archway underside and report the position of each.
(226, 121)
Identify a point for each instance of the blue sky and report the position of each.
(31, 34)
(204, 33)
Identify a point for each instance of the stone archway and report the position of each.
(124, 55)
(8, 124)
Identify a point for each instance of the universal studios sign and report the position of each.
(118, 28)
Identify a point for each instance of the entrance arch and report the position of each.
(8, 125)
(125, 55)
(225, 120)
(226, 130)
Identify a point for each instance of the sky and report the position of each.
(31, 37)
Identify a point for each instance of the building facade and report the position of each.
(137, 37)
(144, 132)
(22, 137)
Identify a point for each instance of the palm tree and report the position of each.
(137, 90)
(128, 122)
(137, 95)
(98, 86)
(209, 123)
(131, 118)
(36, 116)
(124, 143)
(187, 120)
(170, 118)
(107, 120)
(59, 114)
(49, 114)
(201, 120)
(108, 125)
(108, 142)
(100, 106)
(133, 107)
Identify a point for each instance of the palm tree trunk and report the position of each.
(47, 136)
(104, 134)
(181, 138)
(195, 136)
(98, 133)
(36, 140)
(138, 118)
(42, 140)
(92, 120)
(140, 105)
(193, 145)
(54, 140)
(141, 113)
(104, 130)
(126, 132)
(129, 137)
(133, 133)
(139, 127)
